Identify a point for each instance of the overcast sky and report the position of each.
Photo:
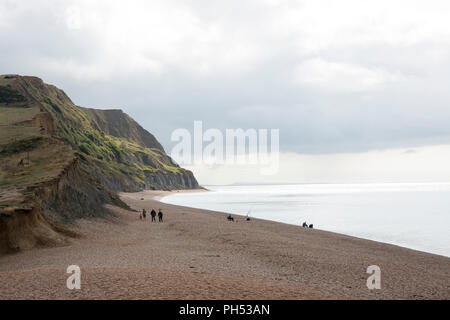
(342, 80)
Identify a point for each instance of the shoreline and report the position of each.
(169, 193)
(198, 254)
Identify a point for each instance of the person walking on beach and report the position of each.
(160, 216)
(140, 215)
(144, 214)
(153, 214)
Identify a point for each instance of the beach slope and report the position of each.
(198, 254)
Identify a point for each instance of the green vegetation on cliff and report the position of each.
(114, 148)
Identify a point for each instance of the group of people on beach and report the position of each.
(143, 215)
(231, 218)
(305, 225)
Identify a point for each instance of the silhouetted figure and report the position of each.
(153, 214)
(305, 225)
(144, 214)
(160, 216)
(230, 218)
(311, 226)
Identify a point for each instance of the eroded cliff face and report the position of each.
(75, 194)
(42, 213)
(183, 180)
(42, 120)
(60, 162)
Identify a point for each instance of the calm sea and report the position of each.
(415, 216)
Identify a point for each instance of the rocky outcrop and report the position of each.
(182, 180)
(153, 181)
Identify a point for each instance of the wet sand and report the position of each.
(198, 254)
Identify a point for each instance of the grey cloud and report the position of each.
(249, 92)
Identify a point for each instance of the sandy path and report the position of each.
(197, 254)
